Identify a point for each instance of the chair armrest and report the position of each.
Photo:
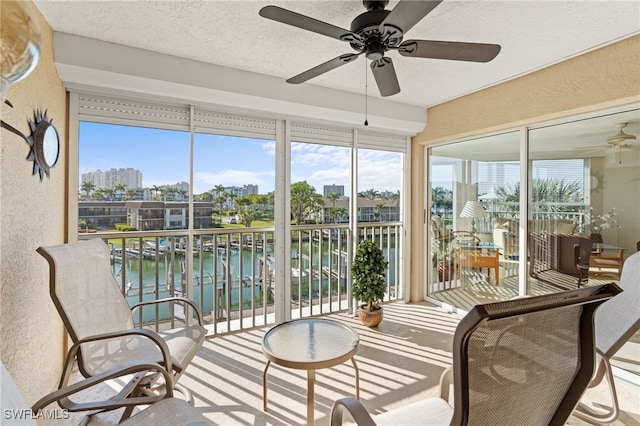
(355, 408)
(155, 337)
(124, 370)
(171, 299)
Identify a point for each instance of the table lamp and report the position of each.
(473, 209)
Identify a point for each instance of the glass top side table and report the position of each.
(310, 344)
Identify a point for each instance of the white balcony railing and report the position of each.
(230, 273)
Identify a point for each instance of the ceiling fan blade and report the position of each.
(385, 75)
(408, 13)
(453, 50)
(322, 68)
(306, 23)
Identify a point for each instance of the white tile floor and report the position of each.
(399, 362)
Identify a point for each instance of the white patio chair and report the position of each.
(616, 321)
(162, 410)
(100, 321)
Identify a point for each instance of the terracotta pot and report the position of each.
(370, 318)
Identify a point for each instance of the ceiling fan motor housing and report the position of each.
(374, 40)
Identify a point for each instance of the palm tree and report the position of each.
(155, 190)
(546, 195)
(379, 206)
(129, 194)
(219, 197)
(87, 187)
(370, 194)
(333, 197)
(120, 189)
(170, 192)
(246, 210)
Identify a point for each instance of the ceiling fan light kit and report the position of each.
(377, 31)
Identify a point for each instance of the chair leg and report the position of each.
(584, 412)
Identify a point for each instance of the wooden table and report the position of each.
(608, 257)
(482, 255)
(310, 344)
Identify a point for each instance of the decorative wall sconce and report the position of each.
(20, 41)
(44, 142)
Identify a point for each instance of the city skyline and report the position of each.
(228, 160)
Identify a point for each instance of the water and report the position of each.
(168, 276)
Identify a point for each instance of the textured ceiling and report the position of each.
(533, 34)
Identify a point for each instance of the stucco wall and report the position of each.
(32, 213)
(599, 79)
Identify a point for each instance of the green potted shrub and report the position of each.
(369, 285)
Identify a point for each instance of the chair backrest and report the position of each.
(525, 361)
(84, 290)
(572, 251)
(558, 252)
(619, 319)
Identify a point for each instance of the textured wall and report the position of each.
(596, 80)
(32, 213)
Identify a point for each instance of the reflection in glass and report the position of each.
(474, 252)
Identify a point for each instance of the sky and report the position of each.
(163, 158)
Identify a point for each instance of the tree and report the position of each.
(333, 198)
(379, 206)
(395, 198)
(441, 200)
(120, 189)
(219, 197)
(546, 195)
(205, 196)
(170, 192)
(370, 194)
(304, 201)
(339, 213)
(247, 210)
(129, 194)
(262, 201)
(156, 191)
(87, 187)
(182, 193)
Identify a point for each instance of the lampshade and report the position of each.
(19, 42)
(473, 209)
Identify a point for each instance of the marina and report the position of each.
(241, 274)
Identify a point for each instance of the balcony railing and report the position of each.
(230, 273)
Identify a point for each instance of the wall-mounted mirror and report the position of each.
(45, 145)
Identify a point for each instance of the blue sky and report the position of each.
(163, 158)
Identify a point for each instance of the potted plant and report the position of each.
(369, 285)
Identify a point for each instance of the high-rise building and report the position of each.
(338, 189)
(129, 177)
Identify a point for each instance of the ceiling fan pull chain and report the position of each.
(366, 89)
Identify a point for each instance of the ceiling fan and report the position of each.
(621, 137)
(621, 141)
(377, 31)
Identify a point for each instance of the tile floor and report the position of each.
(400, 361)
